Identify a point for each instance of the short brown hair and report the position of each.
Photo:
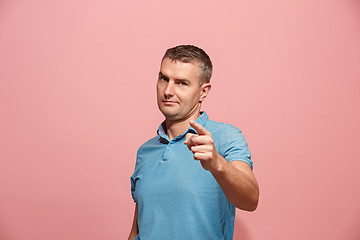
(192, 54)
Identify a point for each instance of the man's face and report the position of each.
(179, 95)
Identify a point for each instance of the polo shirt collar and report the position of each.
(202, 120)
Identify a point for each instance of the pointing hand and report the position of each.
(203, 147)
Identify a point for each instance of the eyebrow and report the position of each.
(177, 79)
(161, 74)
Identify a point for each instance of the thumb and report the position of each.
(187, 137)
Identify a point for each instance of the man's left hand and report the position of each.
(203, 147)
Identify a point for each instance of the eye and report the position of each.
(163, 78)
(181, 83)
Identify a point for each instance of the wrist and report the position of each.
(220, 165)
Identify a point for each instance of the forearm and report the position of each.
(132, 235)
(238, 183)
(134, 229)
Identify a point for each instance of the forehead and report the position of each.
(177, 69)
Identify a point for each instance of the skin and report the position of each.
(179, 97)
(179, 94)
(134, 229)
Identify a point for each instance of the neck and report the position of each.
(176, 128)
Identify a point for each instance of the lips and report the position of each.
(169, 102)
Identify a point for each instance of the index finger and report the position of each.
(199, 128)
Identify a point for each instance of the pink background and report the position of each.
(77, 98)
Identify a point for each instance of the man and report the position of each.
(191, 176)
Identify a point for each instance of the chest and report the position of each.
(171, 170)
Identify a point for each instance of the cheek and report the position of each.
(190, 97)
(182, 95)
(158, 89)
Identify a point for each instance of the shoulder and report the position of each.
(230, 142)
(221, 129)
(149, 143)
(225, 134)
(145, 150)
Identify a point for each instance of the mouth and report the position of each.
(166, 102)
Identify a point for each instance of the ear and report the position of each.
(205, 89)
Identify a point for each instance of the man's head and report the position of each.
(183, 82)
(192, 54)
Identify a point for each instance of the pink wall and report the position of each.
(77, 97)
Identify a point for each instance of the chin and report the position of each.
(167, 111)
(169, 116)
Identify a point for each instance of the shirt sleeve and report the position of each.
(132, 179)
(233, 145)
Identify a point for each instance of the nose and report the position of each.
(169, 90)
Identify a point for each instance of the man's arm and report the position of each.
(235, 178)
(134, 229)
(238, 184)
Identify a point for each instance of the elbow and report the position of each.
(251, 204)
(254, 202)
(254, 199)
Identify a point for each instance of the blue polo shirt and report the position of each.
(176, 197)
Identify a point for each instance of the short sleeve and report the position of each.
(233, 145)
(132, 179)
